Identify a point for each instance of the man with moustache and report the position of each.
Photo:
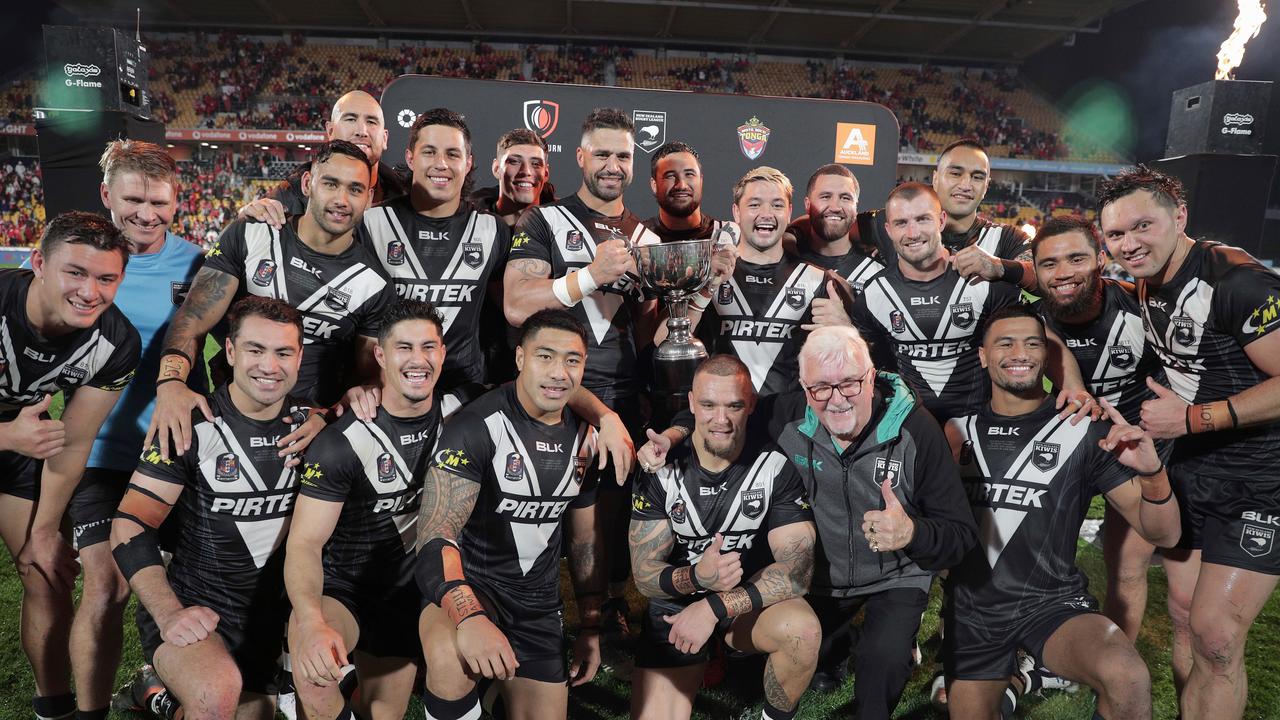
(824, 236)
(211, 621)
(313, 262)
(676, 181)
(1101, 323)
(349, 563)
(357, 118)
(1209, 311)
(1030, 474)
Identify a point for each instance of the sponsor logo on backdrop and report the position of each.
(406, 117)
(753, 136)
(1233, 124)
(651, 129)
(541, 116)
(855, 143)
(77, 72)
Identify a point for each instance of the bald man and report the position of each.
(356, 118)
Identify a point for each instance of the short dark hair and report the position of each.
(1009, 312)
(440, 116)
(723, 365)
(553, 318)
(1167, 189)
(520, 136)
(671, 148)
(908, 191)
(328, 149)
(272, 309)
(405, 310)
(608, 119)
(84, 228)
(968, 142)
(1063, 224)
(833, 169)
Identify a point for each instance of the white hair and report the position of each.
(832, 344)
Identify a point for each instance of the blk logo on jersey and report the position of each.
(265, 272)
(1257, 541)
(677, 513)
(796, 298)
(897, 322)
(227, 467)
(573, 241)
(473, 254)
(962, 315)
(1122, 355)
(386, 468)
(724, 294)
(1045, 455)
(515, 466)
(1184, 332)
(73, 375)
(753, 503)
(395, 252)
(890, 470)
(178, 292)
(337, 299)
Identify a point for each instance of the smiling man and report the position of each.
(523, 172)
(825, 234)
(676, 181)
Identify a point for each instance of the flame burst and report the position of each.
(1248, 23)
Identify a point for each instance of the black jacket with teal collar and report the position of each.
(901, 438)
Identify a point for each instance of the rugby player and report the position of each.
(824, 235)
(676, 181)
(211, 623)
(511, 467)
(437, 248)
(1101, 324)
(61, 332)
(312, 262)
(1209, 311)
(349, 567)
(767, 301)
(722, 542)
(523, 174)
(1030, 474)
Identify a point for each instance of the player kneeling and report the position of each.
(511, 466)
(349, 570)
(697, 527)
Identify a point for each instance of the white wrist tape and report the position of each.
(586, 285)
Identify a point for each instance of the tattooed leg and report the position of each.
(789, 633)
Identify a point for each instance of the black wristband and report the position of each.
(477, 613)
(717, 606)
(1013, 271)
(753, 592)
(1153, 473)
(667, 581)
(162, 381)
(179, 353)
(1161, 501)
(138, 552)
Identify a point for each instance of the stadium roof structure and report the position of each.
(998, 32)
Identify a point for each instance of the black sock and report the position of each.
(1098, 716)
(163, 705)
(54, 707)
(99, 714)
(438, 709)
(769, 712)
(1009, 702)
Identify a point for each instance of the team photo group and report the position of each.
(339, 455)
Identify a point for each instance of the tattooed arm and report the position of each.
(527, 289)
(650, 542)
(586, 569)
(787, 577)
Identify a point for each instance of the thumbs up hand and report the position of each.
(31, 435)
(718, 571)
(889, 529)
(1165, 416)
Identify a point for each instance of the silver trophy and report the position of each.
(675, 270)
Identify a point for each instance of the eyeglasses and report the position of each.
(821, 392)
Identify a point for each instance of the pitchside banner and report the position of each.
(732, 133)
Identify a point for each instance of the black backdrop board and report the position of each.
(71, 144)
(1226, 198)
(794, 135)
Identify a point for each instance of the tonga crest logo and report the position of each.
(541, 116)
(753, 503)
(753, 136)
(651, 128)
(227, 467)
(1045, 455)
(890, 470)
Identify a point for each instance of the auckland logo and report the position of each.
(753, 136)
(541, 116)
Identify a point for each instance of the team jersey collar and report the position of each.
(1045, 409)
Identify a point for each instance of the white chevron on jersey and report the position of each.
(764, 470)
(89, 357)
(989, 238)
(384, 228)
(262, 536)
(760, 356)
(10, 377)
(262, 242)
(864, 272)
(1180, 345)
(997, 526)
(1126, 329)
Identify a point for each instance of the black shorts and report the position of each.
(20, 475)
(654, 649)
(974, 650)
(1232, 522)
(94, 504)
(387, 616)
(535, 631)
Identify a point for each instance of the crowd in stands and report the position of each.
(21, 202)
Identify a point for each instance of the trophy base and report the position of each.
(673, 368)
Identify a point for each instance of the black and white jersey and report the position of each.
(758, 492)
(31, 366)
(756, 315)
(565, 234)
(1029, 479)
(529, 473)
(1199, 323)
(1002, 241)
(235, 507)
(390, 184)
(339, 296)
(449, 262)
(375, 470)
(932, 328)
(706, 230)
(854, 266)
(1112, 352)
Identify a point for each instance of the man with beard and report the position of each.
(724, 510)
(523, 174)
(356, 118)
(1210, 312)
(676, 181)
(313, 262)
(1101, 323)
(349, 563)
(763, 307)
(211, 622)
(824, 235)
(1030, 474)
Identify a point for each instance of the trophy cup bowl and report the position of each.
(675, 270)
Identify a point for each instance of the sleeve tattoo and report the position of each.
(205, 305)
(789, 574)
(447, 502)
(650, 542)
(533, 268)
